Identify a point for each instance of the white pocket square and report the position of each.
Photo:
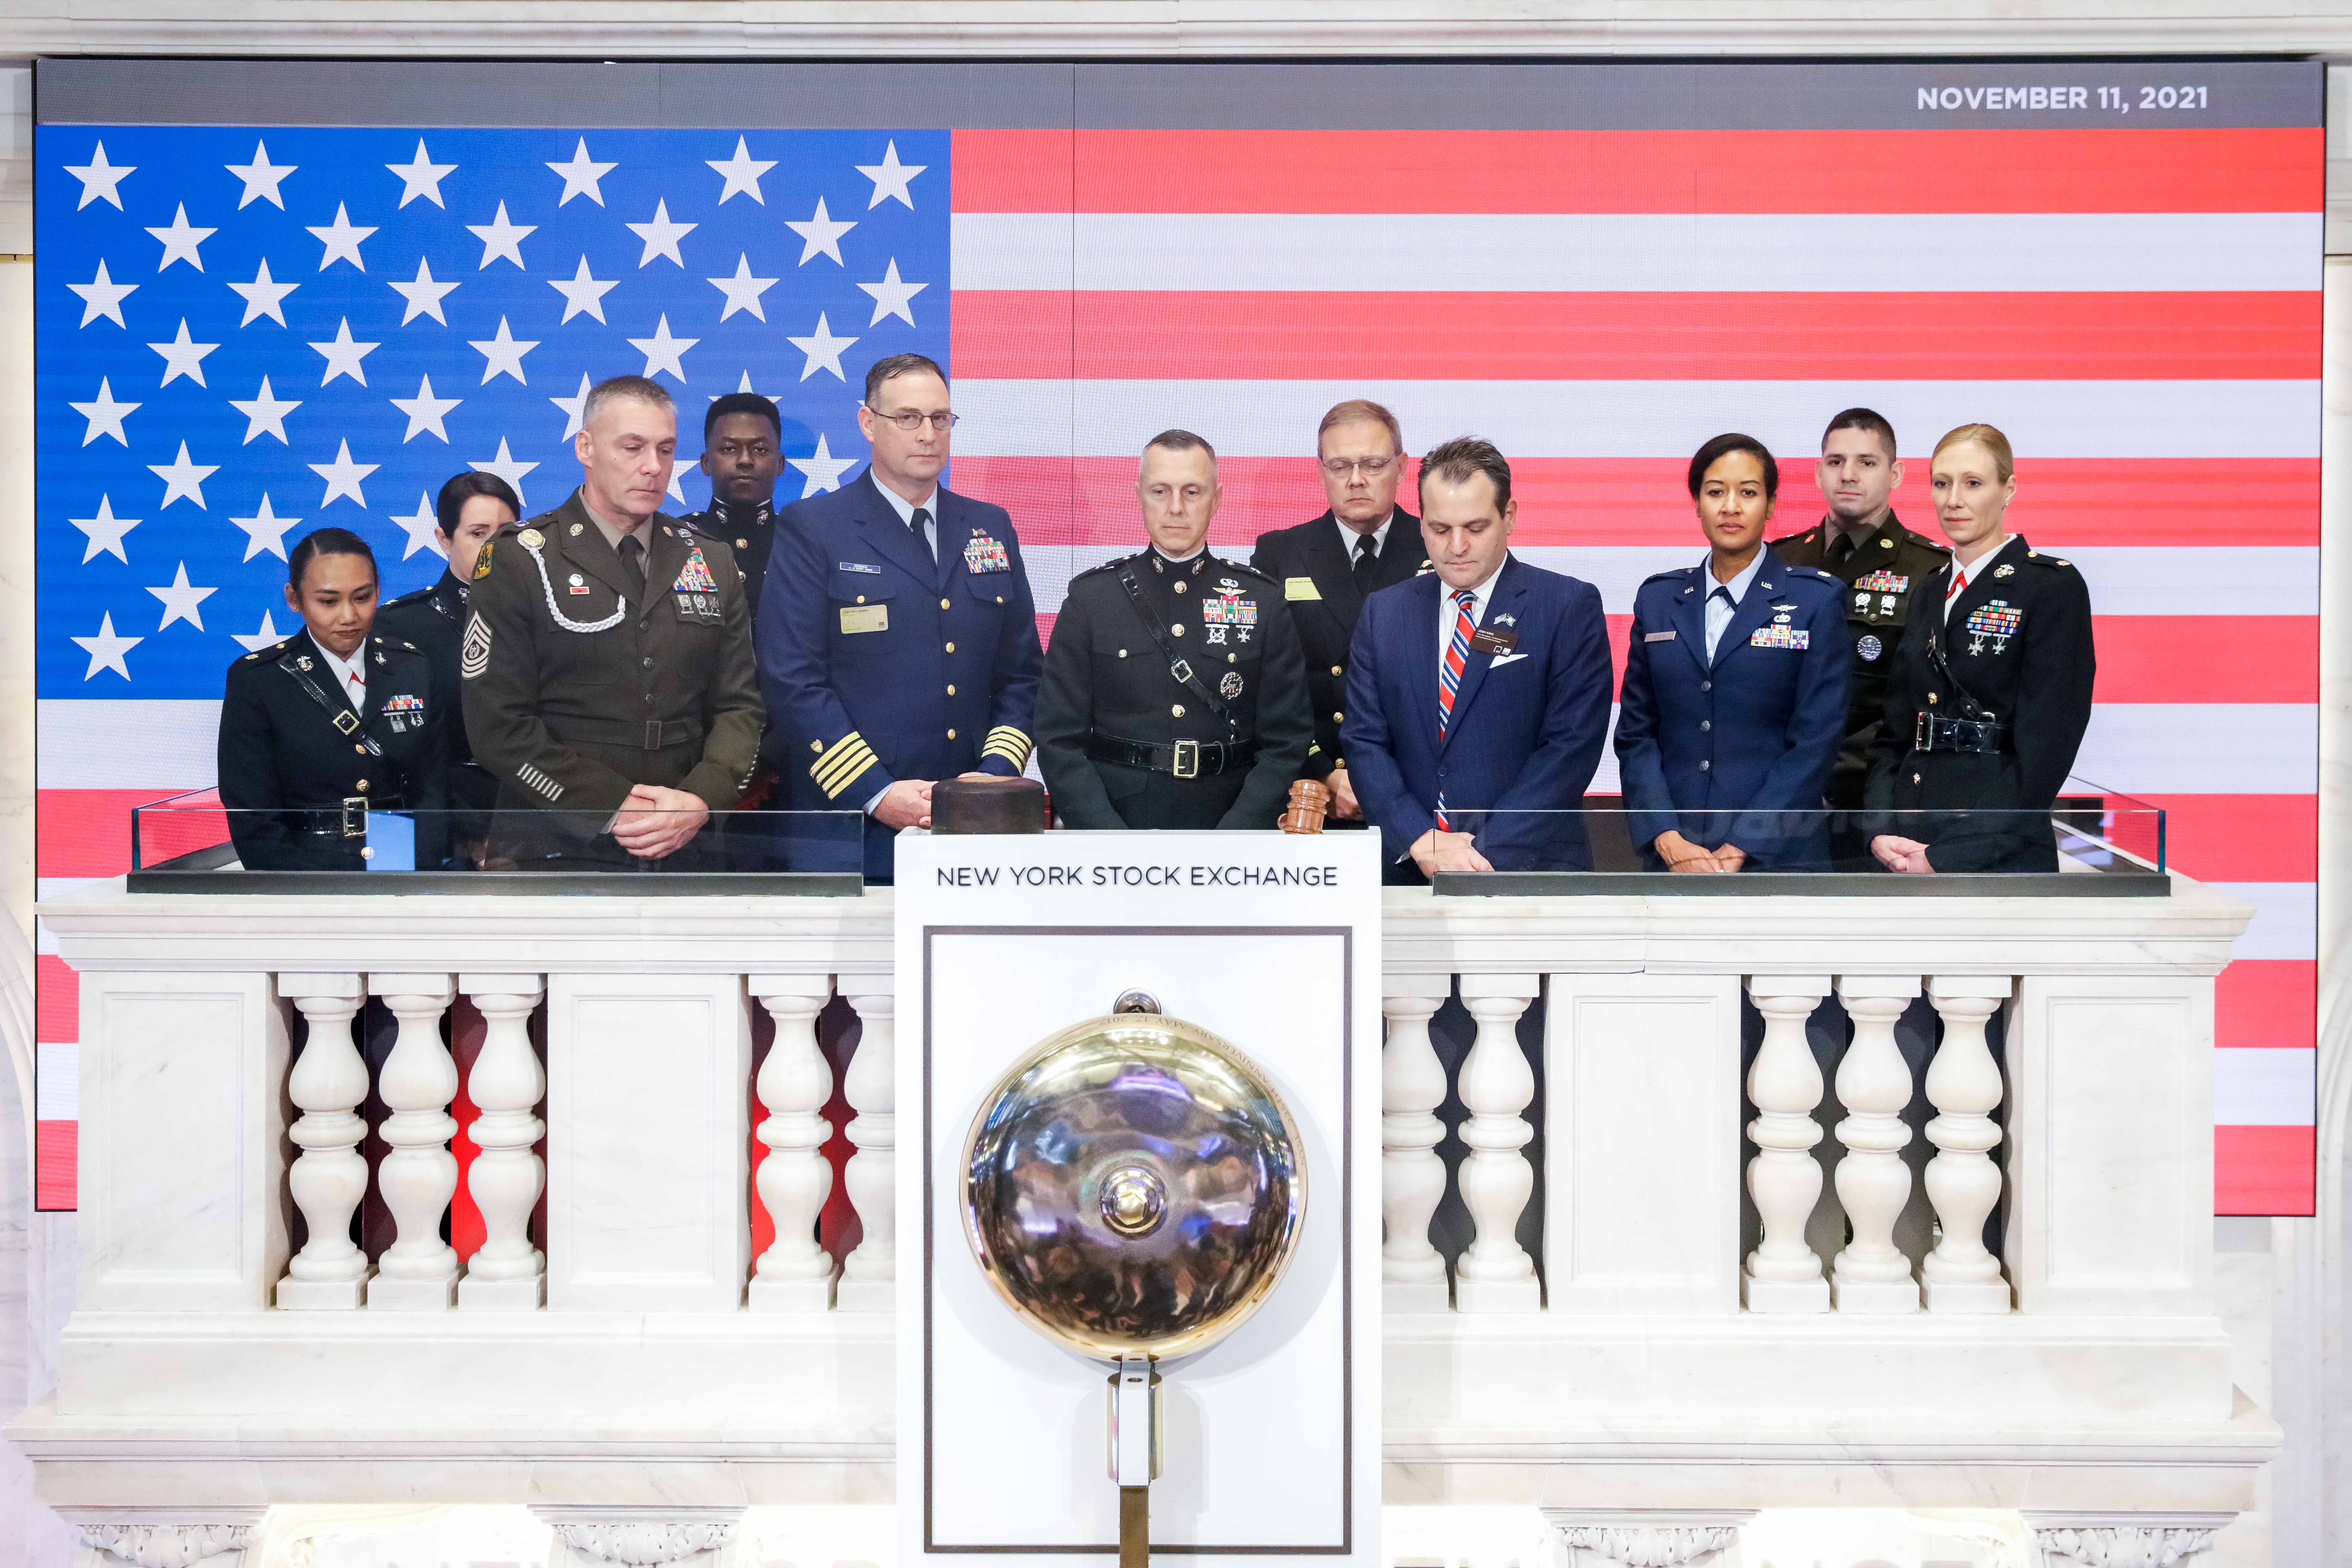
(1503, 658)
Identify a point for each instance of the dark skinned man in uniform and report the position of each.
(469, 510)
(607, 658)
(742, 453)
(1175, 690)
(1327, 568)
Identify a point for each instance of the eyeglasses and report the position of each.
(1340, 467)
(910, 420)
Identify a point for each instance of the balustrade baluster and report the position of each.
(1873, 1083)
(418, 1272)
(328, 1178)
(1413, 1175)
(1962, 1181)
(1784, 1274)
(869, 1275)
(794, 1274)
(507, 1273)
(1495, 1274)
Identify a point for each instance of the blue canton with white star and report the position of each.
(244, 334)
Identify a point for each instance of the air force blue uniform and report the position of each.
(1528, 724)
(1704, 744)
(879, 663)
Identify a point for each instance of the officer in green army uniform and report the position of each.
(1883, 565)
(606, 662)
(1175, 690)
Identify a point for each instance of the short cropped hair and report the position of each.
(614, 388)
(463, 487)
(1723, 446)
(326, 541)
(1869, 419)
(1454, 461)
(1361, 411)
(2004, 461)
(891, 367)
(743, 402)
(1181, 441)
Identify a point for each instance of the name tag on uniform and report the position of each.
(1300, 588)
(1658, 637)
(859, 566)
(865, 618)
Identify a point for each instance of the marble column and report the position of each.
(1412, 1174)
(794, 1274)
(869, 1274)
(1494, 1273)
(1962, 1181)
(1784, 1274)
(418, 1272)
(1873, 1084)
(507, 1273)
(330, 1178)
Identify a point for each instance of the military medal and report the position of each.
(982, 553)
(1869, 648)
(1230, 685)
(1996, 619)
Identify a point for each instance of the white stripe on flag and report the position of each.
(57, 1090)
(2286, 918)
(2257, 1085)
(2167, 419)
(1637, 252)
(2203, 748)
(130, 743)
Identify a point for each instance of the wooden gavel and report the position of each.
(1308, 803)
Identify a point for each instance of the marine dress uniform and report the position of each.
(585, 673)
(1723, 742)
(1325, 580)
(748, 533)
(895, 647)
(1882, 572)
(1985, 712)
(301, 765)
(433, 621)
(1175, 695)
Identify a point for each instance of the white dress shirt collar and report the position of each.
(1480, 596)
(1718, 614)
(1964, 576)
(346, 672)
(1348, 536)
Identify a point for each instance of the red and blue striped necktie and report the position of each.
(1449, 678)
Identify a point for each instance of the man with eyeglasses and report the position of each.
(1328, 568)
(897, 640)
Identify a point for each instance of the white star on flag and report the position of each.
(266, 530)
(425, 411)
(824, 350)
(180, 241)
(265, 412)
(342, 238)
(182, 357)
(343, 355)
(105, 415)
(890, 178)
(180, 601)
(506, 465)
(423, 295)
(501, 237)
(502, 355)
(420, 525)
(343, 476)
(581, 174)
(661, 235)
(421, 176)
(98, 179)
(820, 235)
(267, 634)
(264, 295)
(892, 298)
(745, 386)
(183, 478)
(742, 173)
(742, 291)
(573, 407)
(261, 178)
(105, 532)
(663, 353)
(106, 649)
(102, 296)
(823, 468)
(581, 292)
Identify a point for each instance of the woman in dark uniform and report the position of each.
(1734, 688)
(1991, 688)
(470, 509)
(329, 724)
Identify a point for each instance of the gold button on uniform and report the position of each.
(1122, 653)
(1177, 709)
(951, 691)
(951, 734)
(943, 603)
(861, 598)
(952, 647)
(360, 749)
(362, 786)
(1179, 587)
(1931, 697)
(1177, 631)
(1337, 718)
(1335, 670)
(742, 545)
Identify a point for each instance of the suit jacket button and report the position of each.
(1707, 686)
(1706, 724)
(1705, 766)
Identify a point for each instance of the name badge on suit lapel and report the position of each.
(1487, 639)
(1300, 588)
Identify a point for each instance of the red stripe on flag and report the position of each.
(86, 832)
(56, 1163)
(2267, 1003)
(1565, 336)
(56, 1000)
(2167, 170)
(2207, 658)
(2266, 1169)
(2239, 838)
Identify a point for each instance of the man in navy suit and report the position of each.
(1477, 692)
(897, 637)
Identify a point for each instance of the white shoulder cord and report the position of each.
(547, 585)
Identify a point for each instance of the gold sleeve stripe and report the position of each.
(834, 777)
(837, 749)
(1008, 742)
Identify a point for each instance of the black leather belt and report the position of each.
(1183, 759)
(348, 821)
(1933, 733)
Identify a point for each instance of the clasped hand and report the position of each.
(1435, 851)
(1681, 855)
(1899, 854)
(656, 822)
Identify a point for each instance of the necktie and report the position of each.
(633, 562)
(1368, 561)
(359, 690)
(917, 525)
(1959, 581)
(1449, 677)
(1842, 547)
(1714, 632)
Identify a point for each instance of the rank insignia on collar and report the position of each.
(1886, 544)
(2004, 570)
(577, 529)
(378, 657)
(302, 662)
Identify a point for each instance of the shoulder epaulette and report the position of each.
(1819, 575)
(1672, 573)
(2048, 560)
(1230, 566)
(1112, 565)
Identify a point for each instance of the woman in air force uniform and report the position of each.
(1734, 701)
(329, 724)
(1991, 688)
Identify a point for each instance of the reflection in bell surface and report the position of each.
(1134, 1186)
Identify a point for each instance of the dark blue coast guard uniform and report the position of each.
(880, 663)
(1529, 716)
(1706, 745)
